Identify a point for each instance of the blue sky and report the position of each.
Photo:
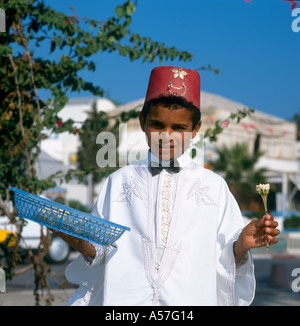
(252, 43)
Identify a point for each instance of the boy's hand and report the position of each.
(256, 234)
(83, 246)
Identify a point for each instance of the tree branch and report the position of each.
(20, 113)
(20, 29)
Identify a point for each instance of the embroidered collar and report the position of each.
(182, 161)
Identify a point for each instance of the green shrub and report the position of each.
(292, 222)
(73, 204)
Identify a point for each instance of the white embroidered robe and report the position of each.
(179, 250)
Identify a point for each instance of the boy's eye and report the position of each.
(179, 128)
(160, 125)
(156, 124)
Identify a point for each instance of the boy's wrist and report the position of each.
(86, 248)
(239, 250)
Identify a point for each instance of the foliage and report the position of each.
(73, 204)
(97, 122)
(292, 222)
(238, 168)
(26, 119)
(30, 24)
(212, 133)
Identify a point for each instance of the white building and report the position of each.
(62, 146)
(58, 152)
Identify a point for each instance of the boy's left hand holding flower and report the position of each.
(255, 235)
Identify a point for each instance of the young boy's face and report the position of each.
(168, 131)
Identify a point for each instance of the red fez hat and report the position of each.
(166, 81)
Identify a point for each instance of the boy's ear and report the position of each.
(142, 121)
(196, 129)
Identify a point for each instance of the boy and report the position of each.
(187, 244)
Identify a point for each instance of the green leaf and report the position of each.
(130, 8)
(58, 40)
(120, 12)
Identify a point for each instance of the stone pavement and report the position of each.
(273, 297)
(273, 273)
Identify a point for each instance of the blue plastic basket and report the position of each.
(66, 219)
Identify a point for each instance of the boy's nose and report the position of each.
(166, 132)
(167, 136)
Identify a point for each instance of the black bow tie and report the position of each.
(157, 169)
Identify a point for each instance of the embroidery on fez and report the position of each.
(129, 189)
(178, 73)
(200, 194)
(165, 218)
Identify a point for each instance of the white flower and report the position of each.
(263, 189)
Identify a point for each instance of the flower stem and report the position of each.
(264, 198)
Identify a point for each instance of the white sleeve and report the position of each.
(103, 253)
(236, 282)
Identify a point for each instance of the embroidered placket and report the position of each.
(165, 208)
(159, 260)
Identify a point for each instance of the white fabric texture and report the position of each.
(179, 250)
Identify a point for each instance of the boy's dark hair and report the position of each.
(172, 102)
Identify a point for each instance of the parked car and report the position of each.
(59, 250)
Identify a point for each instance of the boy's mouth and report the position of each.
(165, 145)
(165, 148)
